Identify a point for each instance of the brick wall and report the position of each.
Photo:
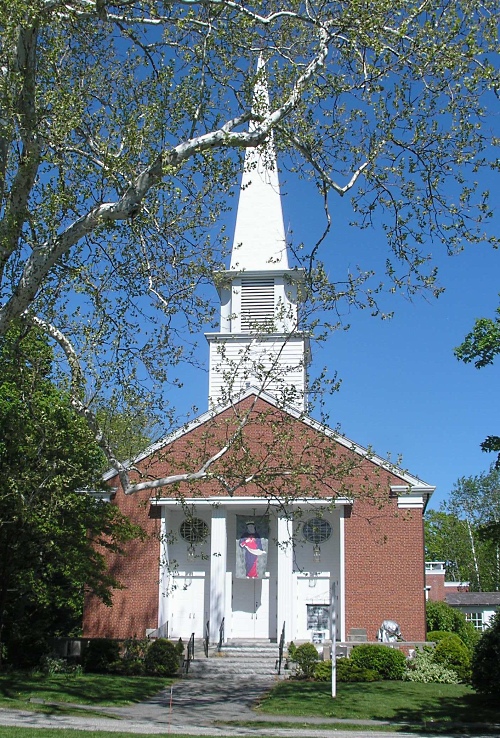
(384, 569)
(384, 547)
(135, 606)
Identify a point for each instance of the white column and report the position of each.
(285, 577)
(218, 566)
(341, 584)
(165, 577)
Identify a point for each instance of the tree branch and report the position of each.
(44, 257)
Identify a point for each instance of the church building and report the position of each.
(275, 520)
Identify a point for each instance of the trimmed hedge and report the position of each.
(163, 658)
(346, 672)
(438, 635)
(389, 663)
(306, 656)
(453, 654)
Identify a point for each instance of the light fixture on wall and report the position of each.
(316, 553)
(191, 552)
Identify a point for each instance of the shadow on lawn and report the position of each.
(445, 709)
(466, 715)
(86, 689)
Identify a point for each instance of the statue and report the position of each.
(389, 632)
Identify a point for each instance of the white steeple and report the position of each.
(259, 344)
(259, 236)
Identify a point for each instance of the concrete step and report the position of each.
(235, 660)
(232, 663)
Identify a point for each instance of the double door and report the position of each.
(188, 613)
(250, 608)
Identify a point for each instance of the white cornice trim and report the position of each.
(235, 273)
(216, 501)
(415, 496)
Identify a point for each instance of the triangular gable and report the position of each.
(411, 490)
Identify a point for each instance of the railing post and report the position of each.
(281, 648)
(221, 636)
(206, 640)
(189, 653)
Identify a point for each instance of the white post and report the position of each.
(165, 577)
(333, 636)
(285, 577)
(218, 566)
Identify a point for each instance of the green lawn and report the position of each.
(403, 702)
(98, 690)
(409, 706)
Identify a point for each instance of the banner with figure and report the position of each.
(252, 542)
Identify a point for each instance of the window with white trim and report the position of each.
(476, 618)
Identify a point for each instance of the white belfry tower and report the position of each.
(259, 344)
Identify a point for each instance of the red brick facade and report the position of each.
(384, 552)
(384, 569)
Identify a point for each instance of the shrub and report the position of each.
(162, 658)
(389, 663)
(306, 657)
(424, 669)
(25, 650)
(437, 635)
(51, 664)
(134, 653)
(101, 656)
(452, 653)
(292, 650)
(180, 649)
(486, 660)
(323, 671)
(443, 617)
(347, 671)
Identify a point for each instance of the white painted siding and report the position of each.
(271, 363)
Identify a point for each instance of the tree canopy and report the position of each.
(464, 533)
(122, 131)
(53, 532)
(481, 346)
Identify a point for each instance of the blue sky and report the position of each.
(403, 392)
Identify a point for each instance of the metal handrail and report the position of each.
(189, 653)
(281, 646)
(221, 635)
(206, 639)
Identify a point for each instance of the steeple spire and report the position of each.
(259, 235)
(259, 344)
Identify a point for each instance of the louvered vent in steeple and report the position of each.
(257, 304)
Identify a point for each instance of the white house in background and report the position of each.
(478, 607)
